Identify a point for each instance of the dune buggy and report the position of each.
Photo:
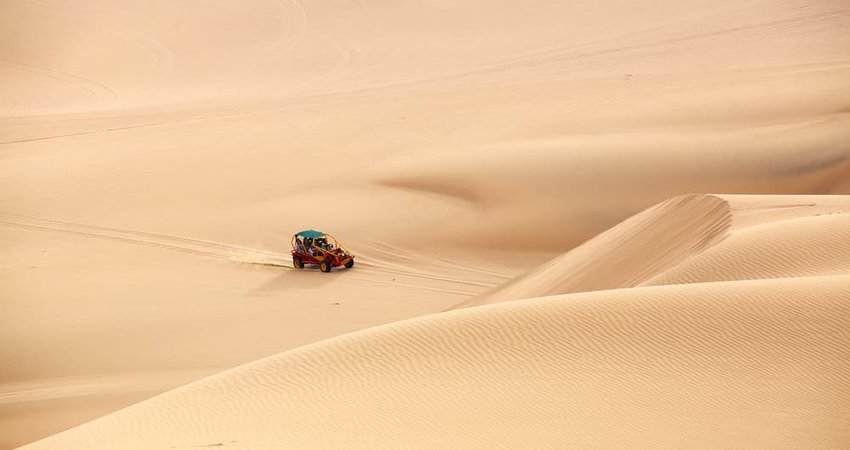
(318, 248)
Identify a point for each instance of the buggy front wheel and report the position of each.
(325, 265)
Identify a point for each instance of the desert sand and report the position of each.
(589, 224)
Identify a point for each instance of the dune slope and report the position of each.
(759, 364)
(723, 317)
(698, 238)
(799, 247)
(628, 254)
(156, 157)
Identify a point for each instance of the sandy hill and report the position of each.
(700, 238)
(156, 156)
(756, 363)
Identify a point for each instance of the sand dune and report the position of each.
(816, 243)
(638, 249)
(129, 314)
(760, 362)
(755, 364)
(700, 238)
(156, 156)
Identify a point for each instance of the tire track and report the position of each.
(234, 253)
(97, 90)
(295, 29)
(176, 243)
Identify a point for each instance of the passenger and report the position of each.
(299, 245)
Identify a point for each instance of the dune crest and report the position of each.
(699, 238)
(731, 330)
(156, 157)
(628, 254)
(797, 247)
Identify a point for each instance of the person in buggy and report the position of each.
(299, 244)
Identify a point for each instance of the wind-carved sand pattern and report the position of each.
(628, 254)
(670, 356)
(539, 195)
(699, 238)
(592, 368)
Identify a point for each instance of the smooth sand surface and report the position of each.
(700, 238)
(156, 157)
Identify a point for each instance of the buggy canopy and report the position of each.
(310, 233)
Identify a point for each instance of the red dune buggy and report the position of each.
(315, 247)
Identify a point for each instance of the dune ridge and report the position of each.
(156, 157)
(734, 335)
(799, 247)
(628, 254)
(697, 238)
(758, 364)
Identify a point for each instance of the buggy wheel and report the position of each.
(297, 262)
(349, 264)
(325, 265)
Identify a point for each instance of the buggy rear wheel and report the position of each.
(297, 262)
(349, 264)
(325, 265)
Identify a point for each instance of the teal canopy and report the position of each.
(310, 234)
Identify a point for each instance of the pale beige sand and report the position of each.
(155, 157)
(99, 319)
(806, 236)
(700, 238)
(753, 364)
(758, 363)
